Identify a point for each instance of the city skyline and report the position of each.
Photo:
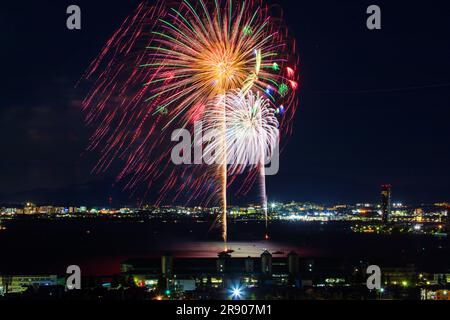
(386, 199)
(114, 204)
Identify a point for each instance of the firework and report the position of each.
(251, 134)
(251, 130)
(202, 49)
(165, 68)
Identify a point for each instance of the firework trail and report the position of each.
(160, 71)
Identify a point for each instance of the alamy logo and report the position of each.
(73, 281)
(374, 20)
(74, 20)
(374, 280)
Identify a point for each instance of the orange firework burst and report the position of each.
(212, 47)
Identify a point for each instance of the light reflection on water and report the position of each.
(239, 249)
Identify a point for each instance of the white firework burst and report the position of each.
(247, 129)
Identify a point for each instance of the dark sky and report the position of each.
(374, 105)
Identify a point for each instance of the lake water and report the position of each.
(98, 246)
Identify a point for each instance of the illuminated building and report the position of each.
(82, 209)
(18, 284)
(386, 202)
(220, 272)
(418, 213)
(72, 210)
(222, 262)
(400, 276)
(310, 266)
(30, 208)
(435, 294)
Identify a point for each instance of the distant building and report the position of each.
(418, 213)
(266, 264)
(448, 219)
(193, 273)
(293, 264)
(30, 208)
(72, 210)
(435, 294)
(386, 191)
(18, 284)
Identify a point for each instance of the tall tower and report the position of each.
(167, 266)
(293, 264)
(294, 268)
(386, 191)
(222, 262)
(266, 264)
(249, 265)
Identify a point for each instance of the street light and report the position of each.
(236, 293)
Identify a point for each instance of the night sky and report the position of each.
(374, 105)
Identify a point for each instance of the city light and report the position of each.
(236, 293)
